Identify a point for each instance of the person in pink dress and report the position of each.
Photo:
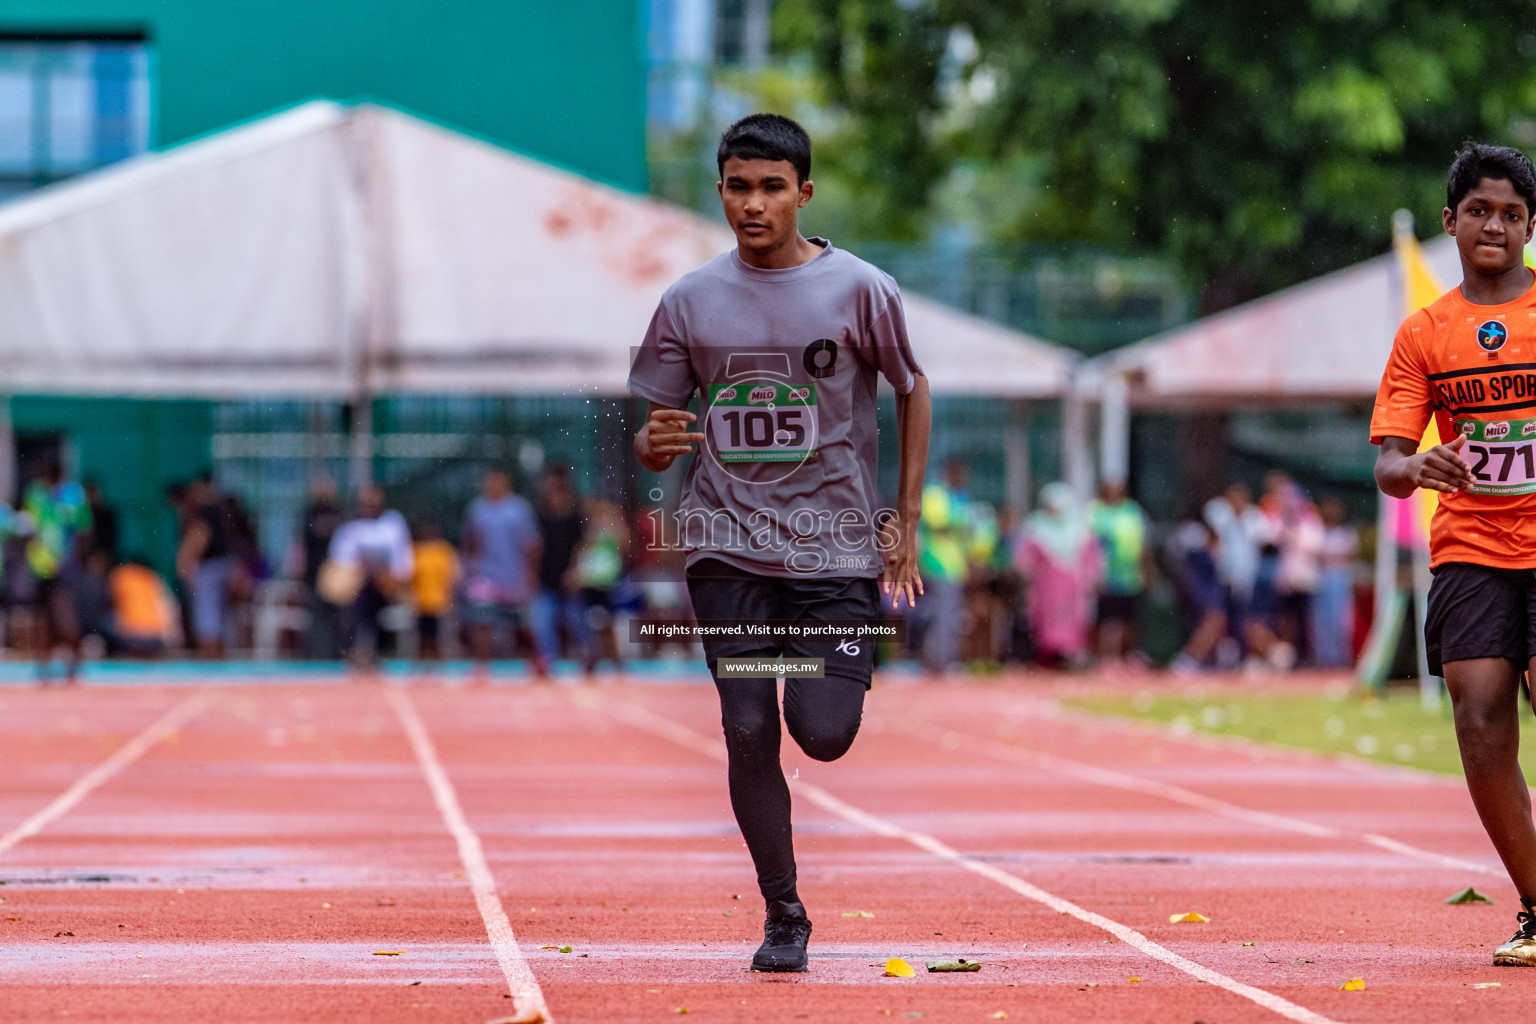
(1059, 559)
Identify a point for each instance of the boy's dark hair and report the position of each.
(1478, 160)
(766, 137)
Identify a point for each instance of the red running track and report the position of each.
(246, 864)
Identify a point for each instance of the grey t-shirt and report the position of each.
(785, 362)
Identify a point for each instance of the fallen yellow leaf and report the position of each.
(999, 1015)
(896, 967)
(1192, 918)
(389, 952)
(1353, 985)
(683, 1009)
(857, 913)
(1134, 978)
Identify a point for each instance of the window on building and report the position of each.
(70, 105)
(741, 32)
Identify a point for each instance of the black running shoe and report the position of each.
(785, 934)
(1519, 951)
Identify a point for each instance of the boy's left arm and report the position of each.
(914, 418)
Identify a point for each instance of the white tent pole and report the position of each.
(376, 324)
(1016, 459)
(1382, 607)
(1114, 430)
(1076, 452)
(1429, 685)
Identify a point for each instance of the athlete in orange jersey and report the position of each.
(1470, 360)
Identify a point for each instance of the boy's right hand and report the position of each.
(1440, 468)
(664, 437)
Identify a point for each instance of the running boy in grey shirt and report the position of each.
(783, 339)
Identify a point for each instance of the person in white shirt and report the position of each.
(376, 546)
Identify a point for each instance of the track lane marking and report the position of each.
(643, 718)
(527, 997)
(1110, 778)
(121, 758)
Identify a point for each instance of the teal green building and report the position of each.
(86, 82)
(564, 82)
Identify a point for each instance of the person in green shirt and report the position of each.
(1120, 526)
(955, 535)
(60, 514)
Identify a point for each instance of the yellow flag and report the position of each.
(1420, 288)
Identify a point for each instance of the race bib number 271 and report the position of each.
(1501, 455)
(762, 421)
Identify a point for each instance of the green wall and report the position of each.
(563, 81)
(135, 449)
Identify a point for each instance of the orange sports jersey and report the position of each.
(1474, 368)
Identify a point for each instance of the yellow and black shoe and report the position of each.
(1519, 951)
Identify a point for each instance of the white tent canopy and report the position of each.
(1326, 339)
(337, 251)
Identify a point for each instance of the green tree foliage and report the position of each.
(1258, 142)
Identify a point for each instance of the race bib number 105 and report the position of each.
(762, 421)
(1501, 455)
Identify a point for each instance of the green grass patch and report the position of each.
(1394, 728)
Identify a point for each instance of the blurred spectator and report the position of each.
(1298, 531)
(321, 521)
(93, 600)
(144, 618)
(371, 556)
(103, 536)
(1243, 533)
(1333, 605)
(433, 580)
(557, 604)
(18, 587)
(1120, 526)
(599, 565)
(1202, 598)
(1058, 557)
(946, 538)
(59, 515)
(501, 547)
(206, 563)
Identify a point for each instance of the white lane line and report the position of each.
(527, 997)
(121, 758)
(643, 718)
(1189, 798)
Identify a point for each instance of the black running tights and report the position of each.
(822, 716)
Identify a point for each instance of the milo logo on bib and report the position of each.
(1501, 455)
(760, 395)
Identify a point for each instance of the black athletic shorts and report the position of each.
(724, 593)
(1476, 611)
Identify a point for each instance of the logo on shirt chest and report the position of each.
(1491, 336)
(820, 359)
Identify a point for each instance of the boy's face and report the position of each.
(1491, 225)
(762, 200)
